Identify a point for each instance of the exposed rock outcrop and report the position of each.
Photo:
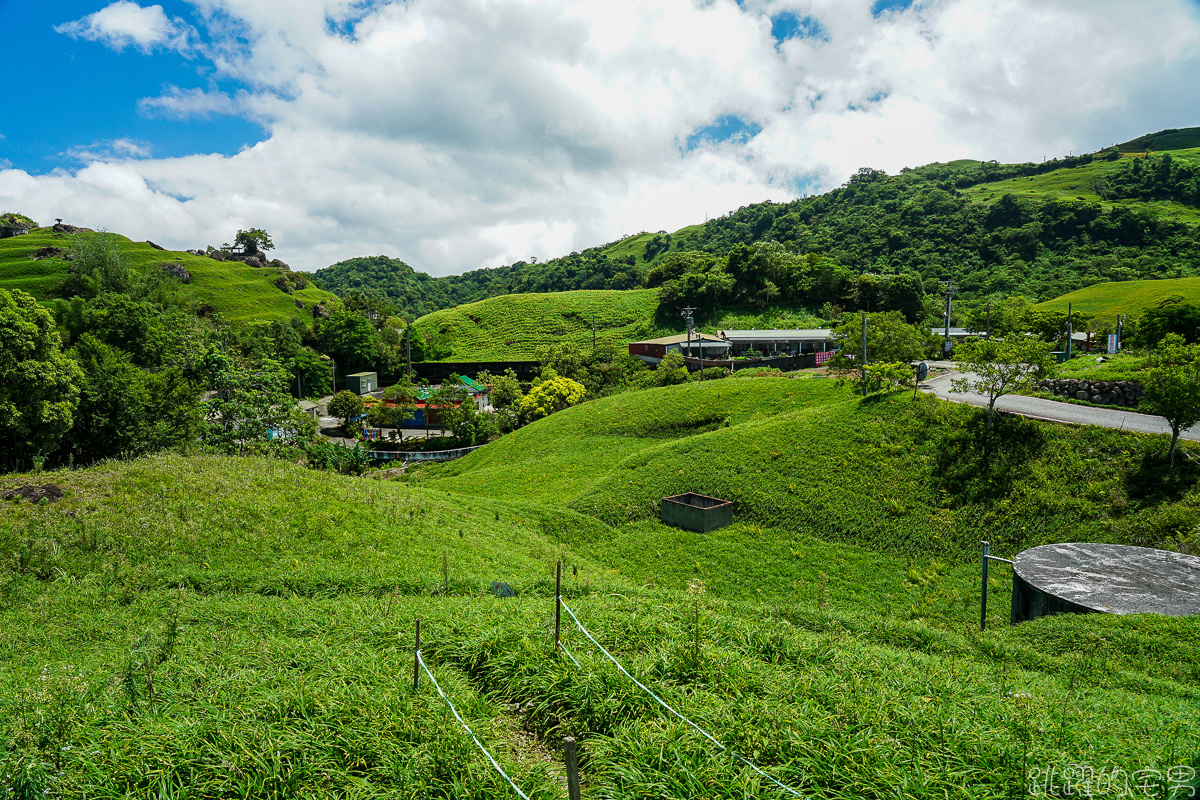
(176, 270)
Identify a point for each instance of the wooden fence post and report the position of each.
(572, 769)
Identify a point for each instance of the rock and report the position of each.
(282, 285)
(196, 252)
(299, 303)
(275, 262)
(1081, 395)
(176, 271)
(49, 251)
(253, 261)
(218, 255)
(155, 246)
(62, 227)
(320, 312)
(1097, 399)
(49, 492)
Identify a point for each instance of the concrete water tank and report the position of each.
(1081, 578)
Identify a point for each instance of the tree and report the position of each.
(97, 256)
(504, 391)
(350, 339)
(672, 369)
(255, 241)
(39, 384)
(252, 402)
(1178, 318)
(889, 339)
(310, 374)
(346, 405)
(999, 367)
(400, 405)
(1172, 388)
(551, 394)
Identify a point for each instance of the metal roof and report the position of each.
(682, 338)
(797, 334)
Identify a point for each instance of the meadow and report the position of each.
(1076, 184)
(240, 293)
(1107, 300)
(184, 626)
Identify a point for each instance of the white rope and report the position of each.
(568, 652)
(663, 703)
(458, 716)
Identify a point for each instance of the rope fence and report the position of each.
(461, 721)
(664, 704)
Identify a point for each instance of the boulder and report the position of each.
(49, 251)
(155, 246)
(299, 303)
(176, 270)
(282, 285)
(218, 255)
(62, 227)
(253, 261)
(1081, 395)
(320, 311)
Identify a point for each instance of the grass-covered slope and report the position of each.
(184, 627)
(1078, 184)
(512, 327)
(240, 293)
(1125, 297)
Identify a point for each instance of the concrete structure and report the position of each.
(781, 341)
(362, 382)
(701, 345)
(309, 408)
(1077, 578)
(6, 232)
(696, 512)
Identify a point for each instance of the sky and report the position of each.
(459, 134)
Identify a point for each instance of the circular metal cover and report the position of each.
(1115, 578)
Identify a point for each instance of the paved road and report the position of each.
(1061, 412)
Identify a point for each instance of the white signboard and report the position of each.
(1112, 343)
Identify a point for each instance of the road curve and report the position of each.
(1060, 412)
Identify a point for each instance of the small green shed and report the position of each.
(362, 382)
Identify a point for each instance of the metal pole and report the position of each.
(1069, 331)
(593, 333)
(1120, 320)
(864, 353)
(417, 660)
(408, 349)
(572, 768)
(983, 592)
(557, 602)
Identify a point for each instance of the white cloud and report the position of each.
(125, 23)
(109, 151)
(465, 133)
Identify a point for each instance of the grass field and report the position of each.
(1107, 300)
(1076, 184)
(242, 294)
(514, 326)
(208, 626)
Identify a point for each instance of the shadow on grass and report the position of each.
(1156, 481)
(974, 466)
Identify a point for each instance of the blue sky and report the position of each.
(460, 133)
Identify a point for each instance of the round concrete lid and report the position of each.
(1115, 578)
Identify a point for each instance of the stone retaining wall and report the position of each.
(1108, 393)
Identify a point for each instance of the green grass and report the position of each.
(1107, 300)
(242, 294)
(514, 326)
(1075, 184)
(1123, 366)
(636, 245)
(209, 626)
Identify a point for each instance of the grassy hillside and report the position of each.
(1125, 297)
(1077, 184)
(514, 326)
(241, 293)
(238, 627)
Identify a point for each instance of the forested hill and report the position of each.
(1038, 229)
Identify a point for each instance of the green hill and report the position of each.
(243, 627)
(239, 292)
(1125, 297)
(1170, 139)
(512, 327)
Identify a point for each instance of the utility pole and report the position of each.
(593, 334)
(988, 330)
(408, 348)
(864, 353)
(1069, 331)
(687, 315)
(949, 287)
(1120, 320)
